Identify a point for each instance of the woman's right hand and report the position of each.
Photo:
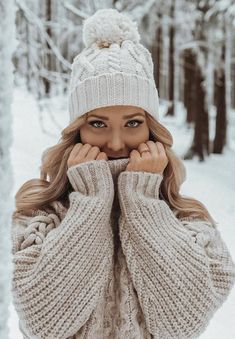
(82, 153)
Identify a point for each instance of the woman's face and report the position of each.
(113, 132)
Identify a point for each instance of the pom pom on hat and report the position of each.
(108, 26)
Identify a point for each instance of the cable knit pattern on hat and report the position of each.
(113, 68)
(168, 279)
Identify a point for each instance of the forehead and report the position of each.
(120, 109)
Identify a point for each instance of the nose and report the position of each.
(116, 143)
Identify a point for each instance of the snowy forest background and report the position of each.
(193, 49)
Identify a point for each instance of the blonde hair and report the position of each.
(54, 184)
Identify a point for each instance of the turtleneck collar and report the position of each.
(117, 166)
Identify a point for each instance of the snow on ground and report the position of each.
(211, 182)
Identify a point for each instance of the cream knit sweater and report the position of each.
(101, 271)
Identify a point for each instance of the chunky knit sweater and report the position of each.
(118, 263)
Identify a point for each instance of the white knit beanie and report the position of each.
(113, 69)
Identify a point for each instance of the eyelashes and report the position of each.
(99, 121)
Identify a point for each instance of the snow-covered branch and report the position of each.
(31, 17)
(139, 11)
(74, 10)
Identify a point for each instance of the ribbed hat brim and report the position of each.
(113, 89)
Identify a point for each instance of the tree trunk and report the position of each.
(156, 55)
(221, 123)
(200, 144)
(7, 45)
(171, 108)
(189, 85)
(28, 69)
(233, 84)
(201, 136)
(48, 52)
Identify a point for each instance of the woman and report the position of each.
(104, 245)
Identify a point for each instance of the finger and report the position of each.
(102, 156)
(143, 147)
(75, 150)
(92, 153)
(161, 148)
(146, 155)
(83, 151)
(135, 154)
(153, 148)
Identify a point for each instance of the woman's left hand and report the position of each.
(153, 161)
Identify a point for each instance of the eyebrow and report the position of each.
(124, 117)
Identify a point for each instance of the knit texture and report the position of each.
(113, 69)
(118, 264)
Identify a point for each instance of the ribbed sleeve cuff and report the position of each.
(91, 178)
(140, 182)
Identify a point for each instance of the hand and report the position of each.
(82, 153)
(154, 161)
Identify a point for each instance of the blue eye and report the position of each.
(139, 122)
(92, 123)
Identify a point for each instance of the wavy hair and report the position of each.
(54, 185)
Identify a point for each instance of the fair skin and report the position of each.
(111, 135)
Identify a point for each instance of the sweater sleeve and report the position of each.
(60, 268)
(182, 270)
